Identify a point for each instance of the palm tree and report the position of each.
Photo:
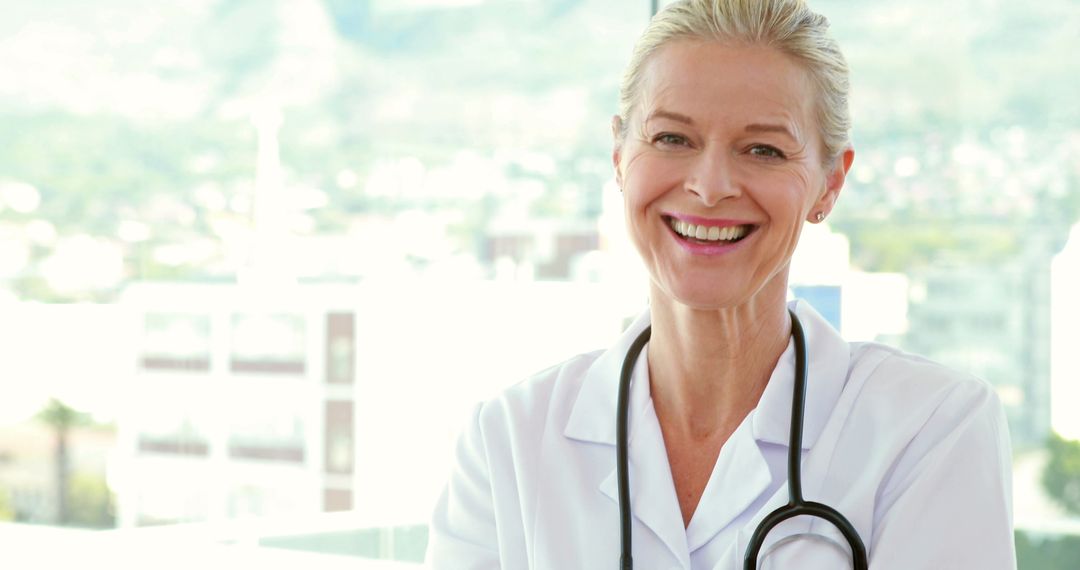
(61, 419)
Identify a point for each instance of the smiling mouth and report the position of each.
(710, 234)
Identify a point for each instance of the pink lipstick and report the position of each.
(708, 236)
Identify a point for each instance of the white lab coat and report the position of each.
(915, 455)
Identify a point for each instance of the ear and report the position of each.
(834, 182)
(616, 151)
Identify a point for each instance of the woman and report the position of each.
(732, 132)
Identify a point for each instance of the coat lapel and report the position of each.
(738, 480)
(741, 475)
(827, 374)
(741, 478)
(652, 490)
(828, 357)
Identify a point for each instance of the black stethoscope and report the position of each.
(796, 505)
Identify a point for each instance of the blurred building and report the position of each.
(991, 321)
(862, 306)
(536, 249)
(295, 400)
(240, 405)
(1065, 338)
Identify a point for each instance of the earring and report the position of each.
(819, 217)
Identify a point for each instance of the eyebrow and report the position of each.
(664, 114)
(766, 128)
(751, 128)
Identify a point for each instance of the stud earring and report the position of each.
(819, 217)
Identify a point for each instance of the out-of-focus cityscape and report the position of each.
(259, 257)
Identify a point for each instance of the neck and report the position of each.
(708, 368)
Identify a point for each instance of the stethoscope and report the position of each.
(796, 505)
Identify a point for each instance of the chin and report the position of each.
(703, 296)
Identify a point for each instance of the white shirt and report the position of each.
(915, 455)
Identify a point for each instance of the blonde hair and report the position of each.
(787, 25)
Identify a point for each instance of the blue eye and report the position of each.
(670, 139)
(766, 151)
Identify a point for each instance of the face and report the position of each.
(720, 165)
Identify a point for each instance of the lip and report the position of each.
(708, 249)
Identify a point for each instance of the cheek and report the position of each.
(798, 199)
(788, 208)
(646, 178)
(637, 188)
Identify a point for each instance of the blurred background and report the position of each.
(258, 258)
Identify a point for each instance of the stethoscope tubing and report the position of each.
(796, 505)
(622, 445)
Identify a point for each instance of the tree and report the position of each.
(1061, 477)
(7, 513)
(90, 502)
(61, 419)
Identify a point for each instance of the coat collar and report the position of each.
(654, 503)
(593, 416)
(828, 358)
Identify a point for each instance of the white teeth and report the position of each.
(709, 233)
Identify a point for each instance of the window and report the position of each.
(264, 246)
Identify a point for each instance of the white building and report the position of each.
(242, 403)
(312, 398)
(1065, 338)
(862, 306)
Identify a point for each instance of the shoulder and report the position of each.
(931, 447)
(915, 381)
(905, 406)
(917, 409)
(539, 400)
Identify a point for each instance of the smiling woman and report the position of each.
(754, 163)
(278, 248)
(732, 134)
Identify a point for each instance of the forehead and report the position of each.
(717, 82)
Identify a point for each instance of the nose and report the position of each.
(712, 178)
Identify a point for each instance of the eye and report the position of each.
(670, 139)
(767, 151)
